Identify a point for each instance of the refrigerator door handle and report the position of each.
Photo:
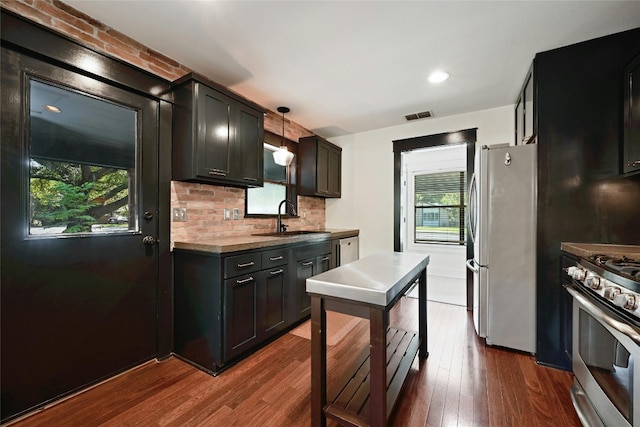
(472, 208)
(471, 265)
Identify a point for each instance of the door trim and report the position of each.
(468, 136)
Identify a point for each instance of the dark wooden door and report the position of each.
(272, 299)
(631, 150)
(247, 151)
(240, 315)
(304, 270)
(78, 283)
(214, 133)
(323, 185)
(334, 171)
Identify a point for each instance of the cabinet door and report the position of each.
(323, 185)
(528, 131)
(631, 149)
(323, 263)
(213, 133)
(519, 112)
(247, 151)
(334, 172)
(240, 315)
(271, 298)
(304, 270)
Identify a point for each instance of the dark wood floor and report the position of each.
(462, 383)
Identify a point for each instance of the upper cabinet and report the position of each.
(631, 148)
(319, 168)
(524, 129)
(217, 135)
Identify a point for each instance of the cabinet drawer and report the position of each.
(313, 250)
(242, 264)
(275, 257)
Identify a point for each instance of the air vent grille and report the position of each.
(416, 116)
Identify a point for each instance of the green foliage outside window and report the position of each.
(75, 196)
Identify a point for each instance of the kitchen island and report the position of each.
(367, 288)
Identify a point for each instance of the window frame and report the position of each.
(461, 206)
(275, 140)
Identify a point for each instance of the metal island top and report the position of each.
(368, 288)
(376, 279)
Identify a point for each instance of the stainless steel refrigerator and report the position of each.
(502, 221)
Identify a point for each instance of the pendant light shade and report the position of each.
(282, 156)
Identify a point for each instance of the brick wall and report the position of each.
(205, 203)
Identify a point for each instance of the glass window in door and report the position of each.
(82, 163)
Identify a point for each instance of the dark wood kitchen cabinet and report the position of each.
(631, 148)
(305, 269)
(217, 135)
(229, 305)
(255, 303)
(524, 112)
(319, 168)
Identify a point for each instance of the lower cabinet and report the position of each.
(305, 269)
(254, 309)
(228, 305)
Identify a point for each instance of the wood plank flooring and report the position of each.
(462, 383)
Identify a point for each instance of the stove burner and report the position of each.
(625, 266)
(631, 269)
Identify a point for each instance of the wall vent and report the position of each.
(421, 115)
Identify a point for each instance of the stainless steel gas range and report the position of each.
(605, 290)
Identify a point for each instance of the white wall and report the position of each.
(367, 171)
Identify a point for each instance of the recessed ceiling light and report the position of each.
(438, 76)
(52, 108)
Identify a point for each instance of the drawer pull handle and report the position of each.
(248, 178)
(248, 279)
(276, 258)
(217, 173)
(246, 264)
(325, 259)
(307, 263)
(633, 164)
(277, 272)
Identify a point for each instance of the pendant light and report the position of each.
(282, 156)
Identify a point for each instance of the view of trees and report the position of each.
(75, 195)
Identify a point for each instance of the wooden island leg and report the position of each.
(378, 325)
(422, 315)
(318, 362)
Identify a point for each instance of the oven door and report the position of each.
(605, 348)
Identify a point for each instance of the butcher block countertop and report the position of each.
(242, 243)
(587, 249)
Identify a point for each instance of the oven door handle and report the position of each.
(596, 312)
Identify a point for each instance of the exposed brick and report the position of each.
(28, 11)
(115, 43)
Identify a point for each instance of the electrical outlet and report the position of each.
(179, 214)
(236, 213)
(227, 214)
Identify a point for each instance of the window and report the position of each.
(440, 204)
(82, 168)
(277, 186)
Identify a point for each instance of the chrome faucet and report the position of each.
(280, 227)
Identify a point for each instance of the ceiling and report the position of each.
(350, 66)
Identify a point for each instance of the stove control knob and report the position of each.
(610, 292)
(579, 274)
(626, 301)
(594, 282)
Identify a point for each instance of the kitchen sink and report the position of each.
(291, 233)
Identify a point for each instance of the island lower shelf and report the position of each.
(350, 405)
